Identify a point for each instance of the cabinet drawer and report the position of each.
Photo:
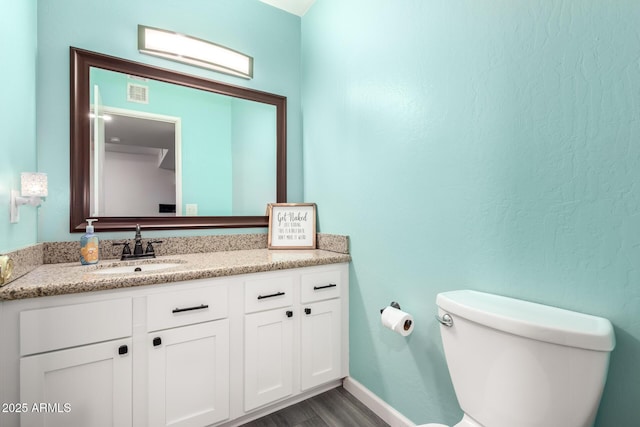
(173, 309)
(67, 326)
(320, 286)
(265, 294)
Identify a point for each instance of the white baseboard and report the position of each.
(377, 405)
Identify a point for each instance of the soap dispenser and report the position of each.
(89, 246)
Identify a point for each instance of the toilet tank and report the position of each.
(517, 363)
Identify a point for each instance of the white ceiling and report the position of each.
(297, 7)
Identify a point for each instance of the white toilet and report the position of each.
(518, 364)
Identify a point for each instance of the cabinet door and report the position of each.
(320, 340)
(189, 375)
(268, 357)
(82, 386)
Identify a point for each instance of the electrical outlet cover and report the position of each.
(192, 209)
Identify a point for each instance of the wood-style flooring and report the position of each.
(334, 408)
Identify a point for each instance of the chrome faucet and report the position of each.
(149, 252)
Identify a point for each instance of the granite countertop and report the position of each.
(69, 278)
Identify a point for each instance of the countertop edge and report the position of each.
(88, 282)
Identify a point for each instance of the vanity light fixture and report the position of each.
(33, 187)
(193, 51)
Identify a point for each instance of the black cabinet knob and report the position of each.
(123, 349)
(157, 341)
(289, 313)
(307, 311)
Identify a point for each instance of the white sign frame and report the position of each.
(292, 225)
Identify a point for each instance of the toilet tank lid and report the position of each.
(530, 320)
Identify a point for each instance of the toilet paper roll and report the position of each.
(397, 320)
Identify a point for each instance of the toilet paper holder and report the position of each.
(407, 324)
(393, 304)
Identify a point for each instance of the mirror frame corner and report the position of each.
(80, 63)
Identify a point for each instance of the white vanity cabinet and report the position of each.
(207, 352)
(83, 386)
(268, 340)
(321, 327)
(188, 357)
(76, 372)
(189, 375)
(296, 332)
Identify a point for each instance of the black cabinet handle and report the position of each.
(199, 307)
(289, 313)
(157, 341)
(123, 349)
(307, 311)
(277, 294)
(331, 285)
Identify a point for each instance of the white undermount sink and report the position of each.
(136, 268)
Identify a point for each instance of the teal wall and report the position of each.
(18, 32)
(253, 128)
(206, 158)
(486, 144)
(482, 144)
(270, 35)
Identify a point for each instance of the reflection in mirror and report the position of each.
(129, 147)
(169, 150)
(175, 144)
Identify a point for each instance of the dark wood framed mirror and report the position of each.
(81, 64)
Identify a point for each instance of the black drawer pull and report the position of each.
(122, 350)
(277, 294)
(289, 313)
(199, 307)
(157, 341)
(331, 285)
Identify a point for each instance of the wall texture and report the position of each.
(270, 35)
(491, 145)
(17, 117)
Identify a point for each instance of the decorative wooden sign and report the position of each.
(292, 225)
